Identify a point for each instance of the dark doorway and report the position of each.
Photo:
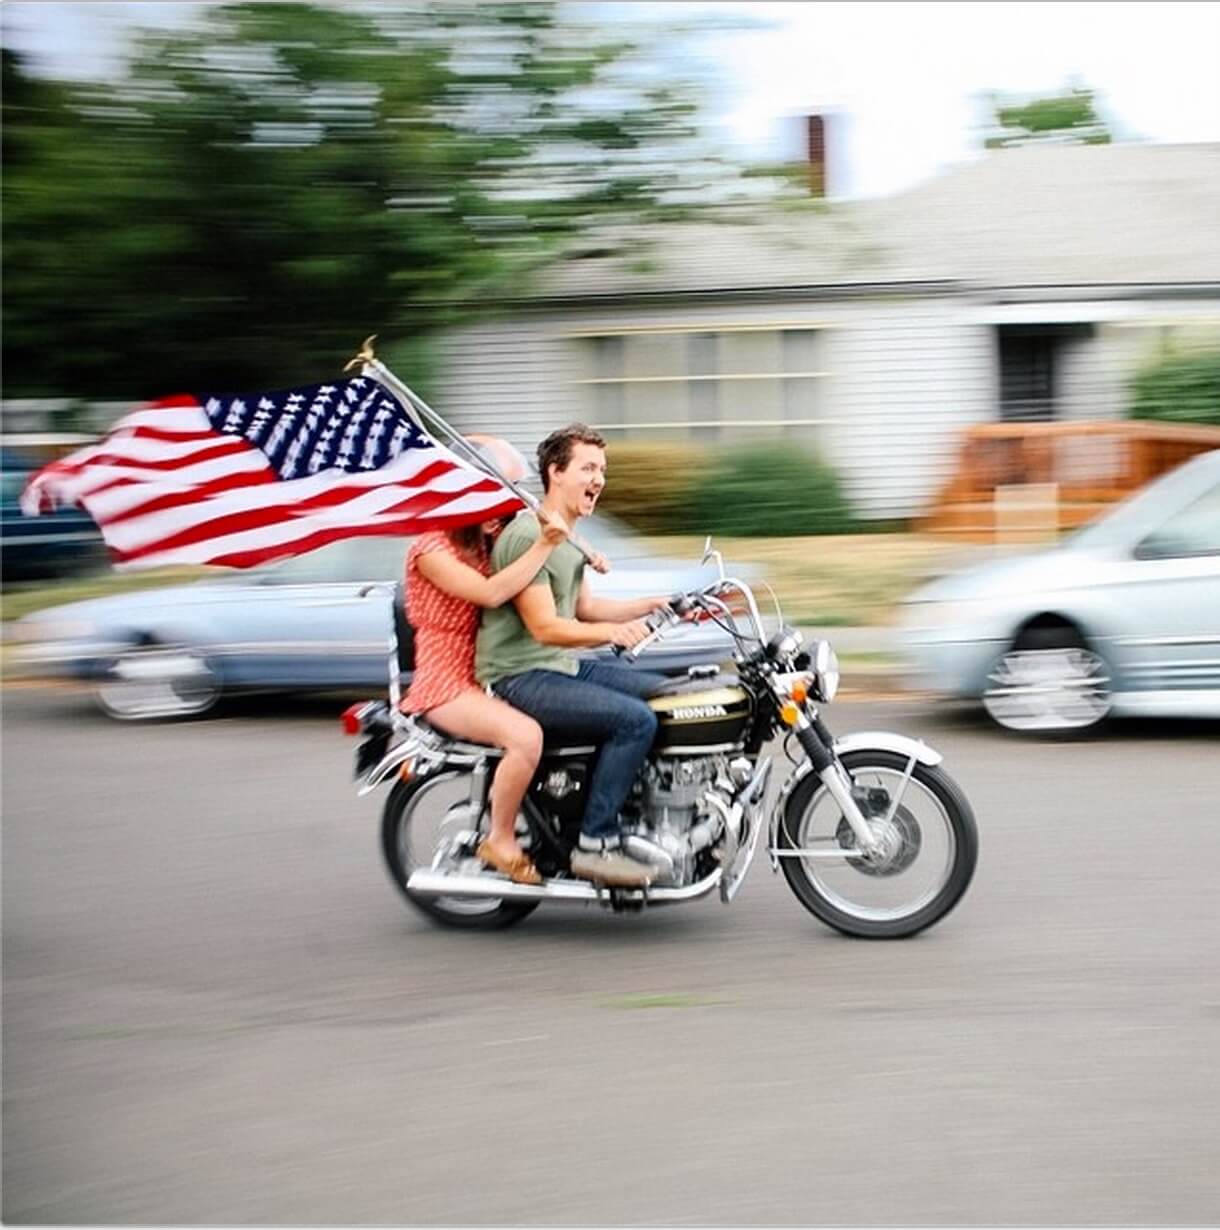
(1028, 358)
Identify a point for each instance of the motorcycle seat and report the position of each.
(552, 743)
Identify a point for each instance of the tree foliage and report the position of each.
(1179, 389)
(260, 192)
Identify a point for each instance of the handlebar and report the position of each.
(682, 604)
(656, 623)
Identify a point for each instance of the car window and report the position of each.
(14, 482)
(1194, 530)
(1130, 521)
(376, 558)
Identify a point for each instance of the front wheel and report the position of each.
(929, 847)
(432, 821)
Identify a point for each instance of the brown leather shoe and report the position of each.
(520, 869)
(611, 867)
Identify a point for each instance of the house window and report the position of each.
(730, 383)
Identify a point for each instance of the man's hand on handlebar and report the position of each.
(628, 635)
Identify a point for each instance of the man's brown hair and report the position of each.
(556, 449)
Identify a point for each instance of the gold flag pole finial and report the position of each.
(363, 355)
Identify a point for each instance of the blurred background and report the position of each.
(678, 223)
(944, 304)
(892, 299)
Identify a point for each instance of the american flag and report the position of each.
(239, 480)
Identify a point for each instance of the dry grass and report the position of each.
(840, 580)
(22, 597)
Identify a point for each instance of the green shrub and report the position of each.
(1181, 389)
(650, 484)
(770, 490)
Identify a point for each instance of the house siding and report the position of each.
(1094, 377)
(903, 377)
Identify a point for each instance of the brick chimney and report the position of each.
(815, 154)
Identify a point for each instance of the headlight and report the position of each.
(826, 670)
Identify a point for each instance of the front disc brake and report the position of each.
(900, 840)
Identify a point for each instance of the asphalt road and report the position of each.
(217, 1009)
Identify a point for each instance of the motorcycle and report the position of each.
(874, 838)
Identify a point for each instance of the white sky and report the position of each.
(903, 79)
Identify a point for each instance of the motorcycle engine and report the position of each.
(684, 803)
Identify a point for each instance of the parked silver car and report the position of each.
(1122, 618)
(306, 623)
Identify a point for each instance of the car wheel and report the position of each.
(1050, 682)
(153, 681)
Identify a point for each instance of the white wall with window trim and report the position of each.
(1093, 372)
(881, 387)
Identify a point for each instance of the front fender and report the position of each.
(859, 741)
(887, 741)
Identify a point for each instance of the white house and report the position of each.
(1030, 284)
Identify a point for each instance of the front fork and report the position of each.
(817, 742)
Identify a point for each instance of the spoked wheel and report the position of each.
(1049, 682)
(158, 681)
(430, 822)
(929, 847)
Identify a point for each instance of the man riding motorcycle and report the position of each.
(526, 653)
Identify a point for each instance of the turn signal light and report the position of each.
(349, 719)
(790, 713)
(800, 691)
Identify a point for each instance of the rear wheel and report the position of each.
(929, 847)
(1050, 682)
(153, 681)
(431, 822)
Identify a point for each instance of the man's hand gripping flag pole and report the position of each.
(428, 420)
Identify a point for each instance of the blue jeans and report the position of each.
(601, 704)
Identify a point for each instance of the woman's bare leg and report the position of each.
(487, 719)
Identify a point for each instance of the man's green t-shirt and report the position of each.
(505, 646)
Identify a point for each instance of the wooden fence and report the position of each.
(1032, 481)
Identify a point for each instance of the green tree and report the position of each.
(259, 193)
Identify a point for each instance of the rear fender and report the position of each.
(428, 752)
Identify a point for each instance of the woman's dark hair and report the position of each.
(556, 449)
(468, 539)
(474, 540)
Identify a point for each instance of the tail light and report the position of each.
(352, 718)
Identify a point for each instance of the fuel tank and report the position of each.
(699, 715)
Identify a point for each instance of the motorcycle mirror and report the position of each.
(709, 554)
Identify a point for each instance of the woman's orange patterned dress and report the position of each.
(445, 630)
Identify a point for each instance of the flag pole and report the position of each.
(415, 405)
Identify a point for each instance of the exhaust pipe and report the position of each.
(428, 883)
